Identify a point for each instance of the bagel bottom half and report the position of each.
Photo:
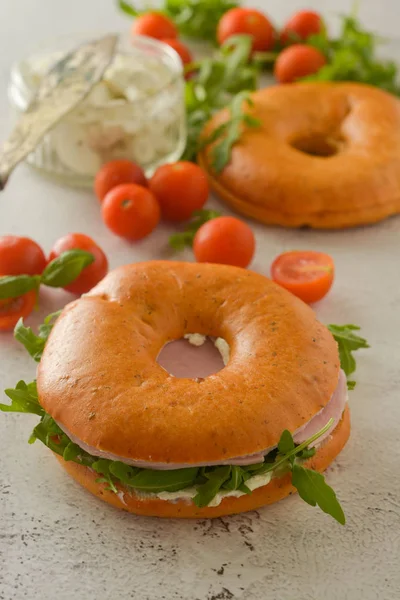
(277, 489)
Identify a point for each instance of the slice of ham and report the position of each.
(333, 410)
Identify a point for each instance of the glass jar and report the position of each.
(136, 112)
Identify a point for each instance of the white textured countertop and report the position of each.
(59, 542)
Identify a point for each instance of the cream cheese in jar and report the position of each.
(136, 112)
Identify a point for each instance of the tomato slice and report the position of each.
(307, 274)
(13, 309)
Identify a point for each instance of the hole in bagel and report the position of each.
(317, 145)
(195, 356)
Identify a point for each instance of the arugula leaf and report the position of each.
(33, 343)
(178, 241)
(24, 399)
(314, 490)
(352, 57)
(236, 479)
(64, 269)
(286, 443)
(13, 286)
(229, 133)
(215, 83)
(348, 342)
(102, 466)
(194, 18)
(147, 480)
(207, 491)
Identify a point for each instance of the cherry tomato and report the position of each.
(183, 51)
(301, 25)
(92, 274)
(307, 274)
(131, 211)
(298, 61)
(154, 25)
(225, 240)
(248, 21)
(180, 188)
(115, 173)
(13, 309)
(20, 256)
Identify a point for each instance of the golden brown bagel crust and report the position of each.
(268, 494)
(269, 180)
(99, 378)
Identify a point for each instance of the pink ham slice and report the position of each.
(333, 410)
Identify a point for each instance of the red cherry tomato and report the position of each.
(301, 25)
(298, 61)
(247, 21)
(154, 25)
(115, 173)
(131, 211)
(92, 274)
(13, 309)
(180, 188)
(181, 49)
(308, 275)
(225, 240)
(20, 256)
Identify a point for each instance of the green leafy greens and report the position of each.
(353, 57)
(34, 344)
(194, 18)
(348, 342)
(204, 482)
(178, 241)
(60, 272)
(228, 134)
(208, 481)
(216, 82)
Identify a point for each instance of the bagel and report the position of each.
(100, 381)
(327, 155)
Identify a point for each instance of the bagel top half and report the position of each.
(326, 155)
(100, 380)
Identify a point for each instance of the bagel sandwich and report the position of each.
(264, 426)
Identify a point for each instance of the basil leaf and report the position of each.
(147, 480)
(178, 241)
(207, 491)
(128, 9)
(348, 342)
(314, 490)
(24, 399)
(286, 443)
(351, 385)
(13, 286)
(64, 269)
(34, 344)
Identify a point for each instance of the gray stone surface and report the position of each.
(58, 542)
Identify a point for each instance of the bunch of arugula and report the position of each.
(225, 79)
(194, 18)
(207, 481)
(353, 57)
